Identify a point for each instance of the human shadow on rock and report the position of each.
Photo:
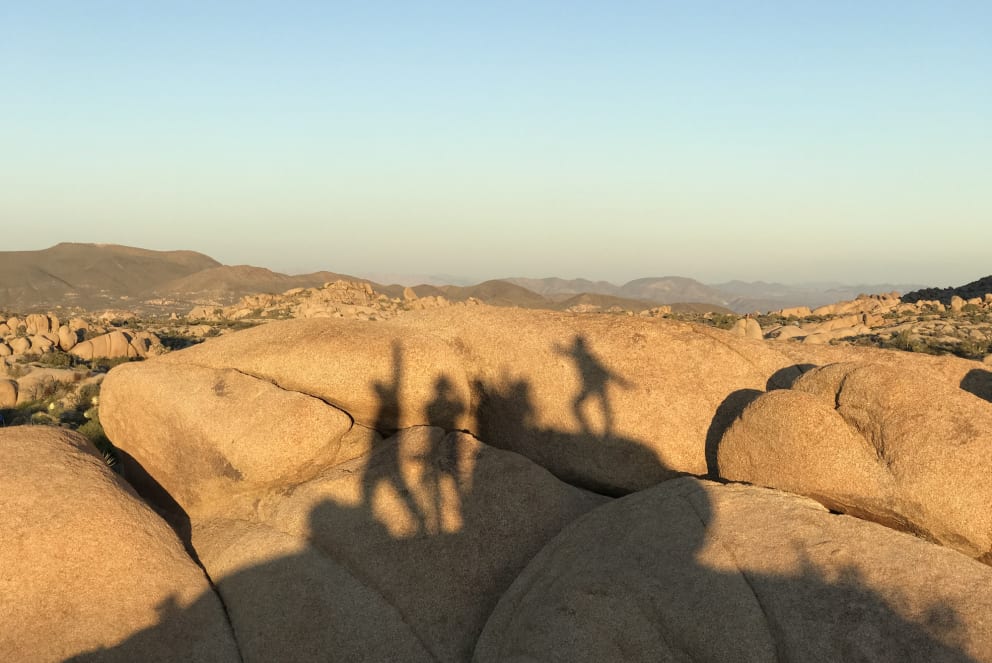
(441, 528)
(595, 380)
(388, 415)
(357, 592)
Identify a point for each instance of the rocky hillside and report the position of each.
(944, 295)
(226, 284)
(89, 275)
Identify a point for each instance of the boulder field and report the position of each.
(479, 484)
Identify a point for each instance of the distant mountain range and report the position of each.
(94, 276)
(739, 296)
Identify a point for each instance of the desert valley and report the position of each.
(211, 463)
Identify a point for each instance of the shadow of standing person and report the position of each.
(442, 468)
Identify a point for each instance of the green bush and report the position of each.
(57, 359)
(85, 396)
(92, 430)
(104, 364)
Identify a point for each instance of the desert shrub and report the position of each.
(904, 340)
(57, 359)
(104, 364)
(970, 348)
(17, 371)
(178, 341)
(92, 430)
(723, 320)
(772, 320)
(85, 396)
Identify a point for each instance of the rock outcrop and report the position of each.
(119, 344)
(695, 571)
(8, 393)
(337, 299)
(887, 444)
(85, 566)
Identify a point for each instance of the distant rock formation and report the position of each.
(978, 288)
(119, 344)
(339, 299)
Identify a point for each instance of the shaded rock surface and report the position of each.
(695, 571)
(400, 554)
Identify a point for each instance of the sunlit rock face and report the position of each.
(86, 566)
(882, 443)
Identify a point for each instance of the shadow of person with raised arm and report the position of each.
(595, 380)
(384, 453)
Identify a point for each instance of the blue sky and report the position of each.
(791, 141)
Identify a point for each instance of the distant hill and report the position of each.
(497, 293)
(672, 289)
(557, 289)
(607, 302)
(227, 283)
(762, 296)
(654, 290)
(604, 302)
(977, 288)
(89, 275)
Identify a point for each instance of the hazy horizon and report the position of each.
(844, 142)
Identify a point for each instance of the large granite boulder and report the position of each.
(608, 402)
(887, 444)
(696, 571)
(8, 393)
(203, 432)
(85, 565)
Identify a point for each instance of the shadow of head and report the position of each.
(784, 378)
(978, 381)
